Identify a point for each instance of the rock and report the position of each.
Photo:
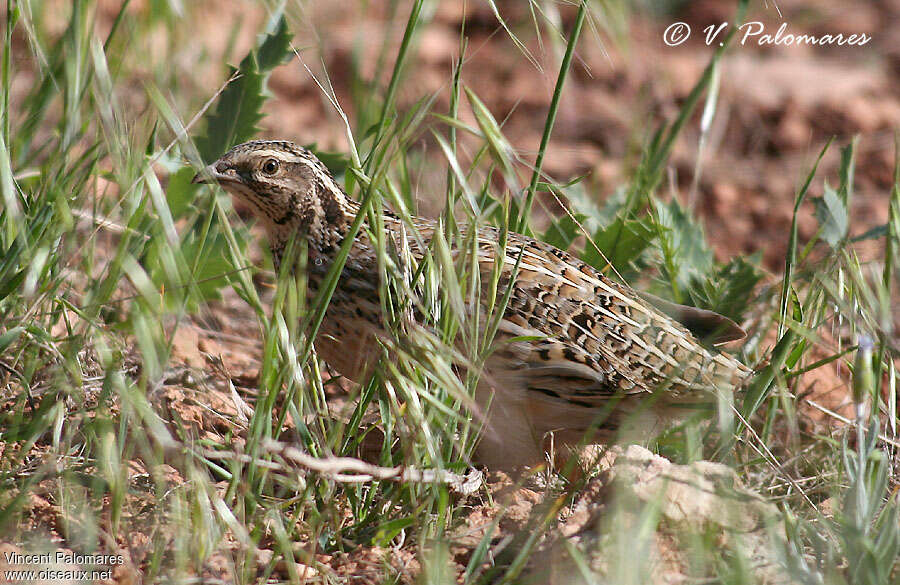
(645, 520)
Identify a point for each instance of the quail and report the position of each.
(574, 350)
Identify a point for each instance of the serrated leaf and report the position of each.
(180, 192)
(274, 46)
(563, 231)
(832, 215)
(611, 207)
(239, 108)
(728, 291)
(621, 242)
(237, 112)
(686, 253)
(583, 205)
(212, 268)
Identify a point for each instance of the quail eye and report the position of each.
(270, 167)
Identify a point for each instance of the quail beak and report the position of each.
(211, 174)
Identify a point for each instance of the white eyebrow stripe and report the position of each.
(279, 154)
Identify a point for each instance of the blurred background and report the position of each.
(777, 104)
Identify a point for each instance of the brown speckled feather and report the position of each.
(595, 329)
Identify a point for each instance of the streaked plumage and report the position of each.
(601, 349)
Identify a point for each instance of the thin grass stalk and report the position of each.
(790, 257)
(12, 17)
(564, 67)
(390, 96)
(453, 112)
(650, 170)
(892, 240)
